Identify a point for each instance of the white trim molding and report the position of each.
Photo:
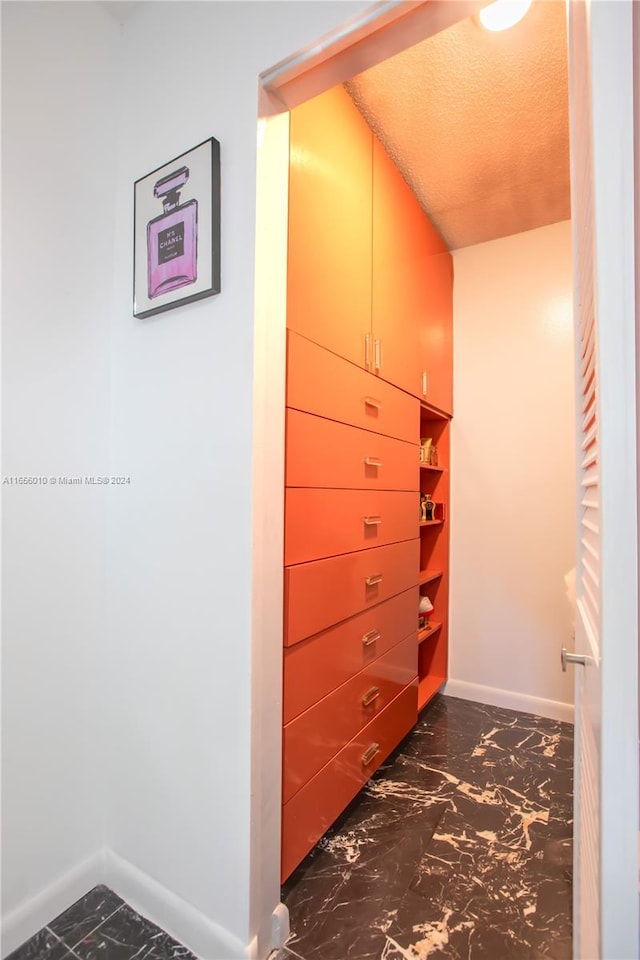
(36, 912)
(495, 697)
(207, 939)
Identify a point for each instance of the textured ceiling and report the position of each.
(478, 124)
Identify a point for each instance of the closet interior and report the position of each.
(369, 397)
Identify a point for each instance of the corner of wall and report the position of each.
(180, 919)
(22, 923)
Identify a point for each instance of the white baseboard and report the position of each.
(552, 709)
(207, 939)
(202, 936)
(36, 912)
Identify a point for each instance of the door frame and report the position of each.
(379, 32)
(601, 68)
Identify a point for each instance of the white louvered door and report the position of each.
(606, 751)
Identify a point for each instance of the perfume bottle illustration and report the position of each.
(172, 238)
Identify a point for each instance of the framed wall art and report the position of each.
(176, 243)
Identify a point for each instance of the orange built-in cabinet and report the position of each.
(433, 577)
(368, 375)
(411, 291)
(369, 277)
(329, 268)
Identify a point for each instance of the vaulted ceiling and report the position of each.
(477, 122)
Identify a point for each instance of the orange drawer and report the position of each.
(325, 523)
(324, 592)
(320, 382)
(313, 738)
(315, 667)
(314, 808)
(323, 453)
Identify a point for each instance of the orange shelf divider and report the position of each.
(428, 631)
(427, 689)
(426, 576)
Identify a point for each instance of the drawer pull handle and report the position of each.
(370, 638)
(373, 462)
(370, 696)
(372, 521)
(373, 579)
(369, 754)
(371, 402)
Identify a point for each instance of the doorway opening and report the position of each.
(270, 355)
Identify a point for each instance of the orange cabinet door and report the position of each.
(322, 453)
(315, 667)
(399, 258)
(313, 738)
(314, 808)
(325, 523)
(321, 383)
(410, 279)
(324, 592)
(436, 335)
(329, 260)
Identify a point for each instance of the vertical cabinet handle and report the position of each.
(377, 354)
(370, 696)
(425, 383)
(367, 351)
(371, 637)
(369, 754)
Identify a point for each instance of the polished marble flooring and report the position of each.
(101, 926)
(458, 848)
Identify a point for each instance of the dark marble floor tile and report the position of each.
(466, 886)
(552, 935)
(85, 915)
(44, 946)
(558, 949)
(459, 847)
(345, 896)
(285, 954)
(126, 935)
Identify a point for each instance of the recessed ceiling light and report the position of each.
(503, 14)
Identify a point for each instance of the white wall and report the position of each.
(180, 538)
(170, 791)
(58, 129)
(513, 471)
(137, 757)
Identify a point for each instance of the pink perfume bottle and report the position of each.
(172, 238)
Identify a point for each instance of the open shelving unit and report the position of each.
(429, 631)
(428, 686)
(433, 577)
(426, 576)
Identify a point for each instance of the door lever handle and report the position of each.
(566, 657)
